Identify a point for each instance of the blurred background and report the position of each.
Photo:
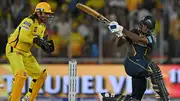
(80, 36)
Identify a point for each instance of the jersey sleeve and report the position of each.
(25, 30)
(44, 31)
(151, 40)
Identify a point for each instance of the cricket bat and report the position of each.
(93, 13)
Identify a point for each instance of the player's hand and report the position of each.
(39, 41)
(46, 46)
(115, 28)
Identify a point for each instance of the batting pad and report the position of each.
(37, 85)
(18, 84)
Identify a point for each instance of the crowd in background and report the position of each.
(77, 34)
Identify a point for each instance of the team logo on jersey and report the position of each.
(27, 23)
(40, 9)
(35, 29)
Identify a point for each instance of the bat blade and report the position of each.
(92, 12)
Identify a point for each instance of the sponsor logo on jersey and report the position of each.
(27, 23)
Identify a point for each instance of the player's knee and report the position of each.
(153, 68)
(44, 74)
(21, 74)
(155, 71)
(42, 77)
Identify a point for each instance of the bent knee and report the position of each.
(43, 74)
(39, 74)
(21, 72)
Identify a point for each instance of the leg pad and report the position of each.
(18, 83)
(38, 84)
(158, 83)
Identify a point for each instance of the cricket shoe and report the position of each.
(113, 97)
(26, 98)
(106, 97)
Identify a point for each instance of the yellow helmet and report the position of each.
(43, 7)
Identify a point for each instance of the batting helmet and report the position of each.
(149, 22)
(43, 7)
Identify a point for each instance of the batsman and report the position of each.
(29, 33)
(138, 63)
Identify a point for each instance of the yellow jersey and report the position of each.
(76, 41)
(22, 38)
(175, 28)
(132, 4)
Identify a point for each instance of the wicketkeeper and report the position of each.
(29, 33)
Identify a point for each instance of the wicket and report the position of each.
(72, 80)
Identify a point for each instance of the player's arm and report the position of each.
(120, 41)
(114, 27)
(120, 38)
(135, 37)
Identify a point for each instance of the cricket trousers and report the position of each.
(20, 60)
(136, 67)
(23, 65)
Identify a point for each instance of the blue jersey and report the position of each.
(137, 59)
(139, 49)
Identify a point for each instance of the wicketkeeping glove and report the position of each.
(39, 41)
(50, 47)
(45, 37)
(47, 46)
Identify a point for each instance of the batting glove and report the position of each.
(114, 27)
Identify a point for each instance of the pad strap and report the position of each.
(18, 84)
